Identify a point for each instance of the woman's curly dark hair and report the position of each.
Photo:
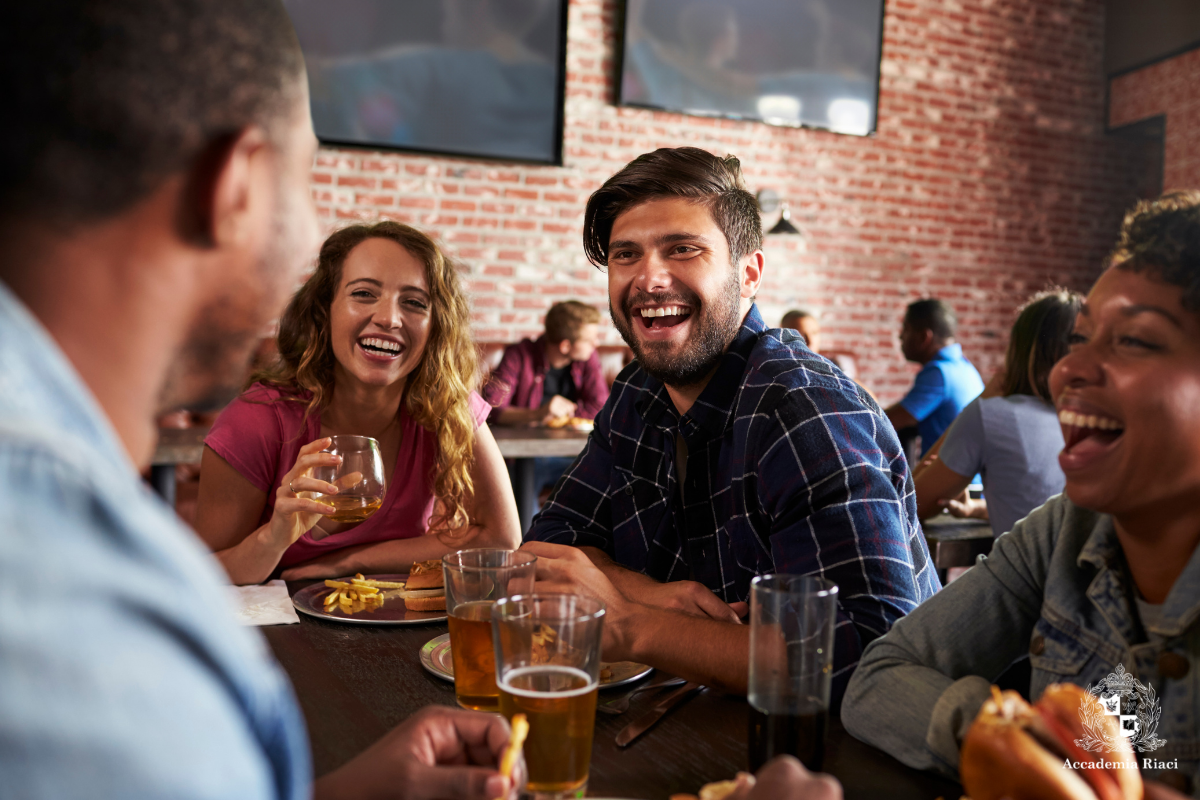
(1162, 237)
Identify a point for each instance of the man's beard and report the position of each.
(214, 360)
(714, 328)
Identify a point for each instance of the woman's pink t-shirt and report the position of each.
(260, 435)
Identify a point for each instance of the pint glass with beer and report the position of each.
(548, 668)
(475, 580)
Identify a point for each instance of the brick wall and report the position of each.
(1170, 88)
(990, 175)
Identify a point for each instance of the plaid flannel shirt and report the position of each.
(791, 468)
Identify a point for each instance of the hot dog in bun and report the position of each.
(1023, 752)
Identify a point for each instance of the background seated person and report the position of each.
(376, 343)
(1011, 437)
(1106, 574)
(947, 380)
(728, 450)
(807, 325)
(558, 375)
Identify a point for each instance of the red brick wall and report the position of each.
(990, 175)
(1170, 88)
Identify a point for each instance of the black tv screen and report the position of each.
(477, 78)
(786, 62)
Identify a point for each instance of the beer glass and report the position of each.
(548, 668)
(359, 479)
(791, 667)
(476, 579)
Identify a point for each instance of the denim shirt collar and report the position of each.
(712, 413)
(1112, 591)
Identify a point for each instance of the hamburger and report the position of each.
(426, 575)
(425, 589)
(1023, 752)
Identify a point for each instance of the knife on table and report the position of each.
(647, 721)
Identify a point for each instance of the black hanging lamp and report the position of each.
(785, 222)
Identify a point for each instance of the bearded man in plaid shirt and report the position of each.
(726, 450)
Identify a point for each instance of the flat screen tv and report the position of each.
(480, 78)
(786, 62)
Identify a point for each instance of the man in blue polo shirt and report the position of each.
(947, 381)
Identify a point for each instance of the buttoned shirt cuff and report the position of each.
(952, 715)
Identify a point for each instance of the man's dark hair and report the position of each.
(1162, 237)
(104, 99)
(687, 172)
(932, 314)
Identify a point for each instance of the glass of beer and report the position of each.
(475, 580)
(791, 667)
(359, 478)
(548, 668)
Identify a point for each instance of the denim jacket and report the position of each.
(1056, 588)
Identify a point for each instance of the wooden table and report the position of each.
(955, 542)
(523, 445)
(356, 683)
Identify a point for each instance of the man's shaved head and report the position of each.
(104, 99)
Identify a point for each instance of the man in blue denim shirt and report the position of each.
(729, 450)
(1103, 577)
(155, 211)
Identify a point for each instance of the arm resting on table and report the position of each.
(917, 689)
(492, 512)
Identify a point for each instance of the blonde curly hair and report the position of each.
(437, 393)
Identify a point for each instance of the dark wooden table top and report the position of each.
(355, 683)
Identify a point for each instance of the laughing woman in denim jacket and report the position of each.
(1104, 576)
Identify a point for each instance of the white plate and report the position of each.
(310, 601)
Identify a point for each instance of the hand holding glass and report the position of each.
(791, 667)
(359, 479)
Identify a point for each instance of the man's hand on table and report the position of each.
(438, 752)
(690, 597)
(693, 646)
(564, 569)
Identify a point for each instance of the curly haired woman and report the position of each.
(376, 343)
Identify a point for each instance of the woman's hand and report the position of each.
(294, 514)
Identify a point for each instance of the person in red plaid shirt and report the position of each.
(727, 450)
(556, 375)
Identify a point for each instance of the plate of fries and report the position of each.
(364, 600)
(436, 659)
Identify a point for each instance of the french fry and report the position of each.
(373, 584)
(508, 759)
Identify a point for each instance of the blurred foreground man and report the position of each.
(727, 450)
(154, 213)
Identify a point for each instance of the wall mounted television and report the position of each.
(476, 78)
(808, 63)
